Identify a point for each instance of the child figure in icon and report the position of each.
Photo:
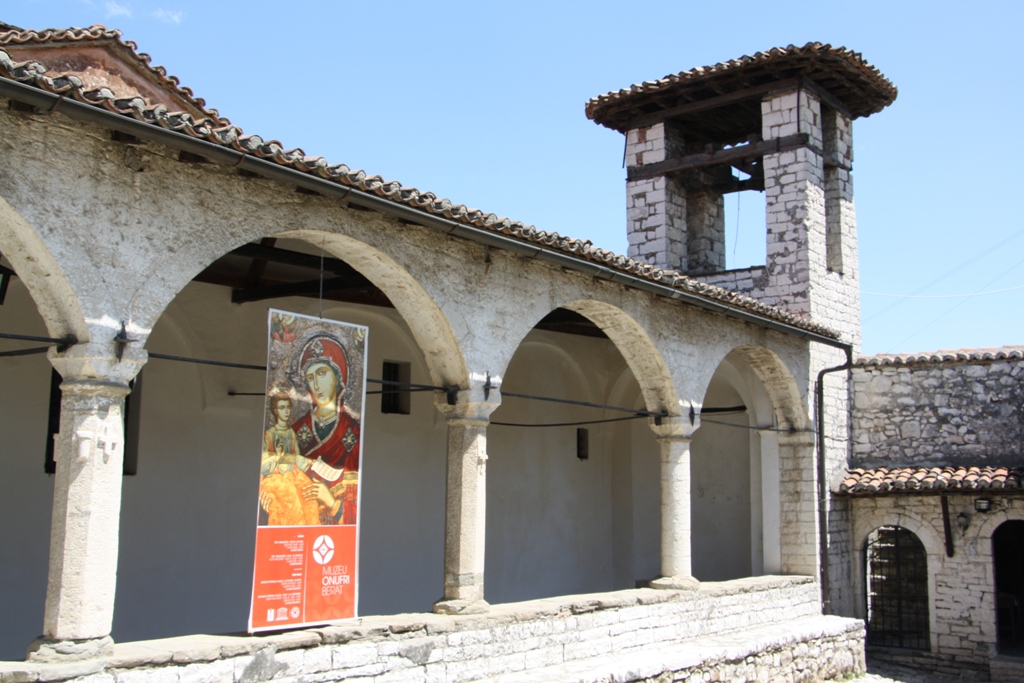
(287, 494)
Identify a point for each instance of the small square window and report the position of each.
(394, 398)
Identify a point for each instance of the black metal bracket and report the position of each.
(122, 339)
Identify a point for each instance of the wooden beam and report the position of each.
(305, 288)
(645, 120)
(826, 97)
(751, 150)
(258, 265)
(292, 258)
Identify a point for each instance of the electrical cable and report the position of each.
(953, 308)
(944, 296)
(566, 424)
(946, 274)
(757, 429)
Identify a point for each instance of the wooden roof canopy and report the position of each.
(732, 92)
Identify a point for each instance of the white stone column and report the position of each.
(84, 529)
(88, 450)
(674, 439)
(465, 506)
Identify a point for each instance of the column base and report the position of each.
(44, 649)
(676, 583)
(458, 606)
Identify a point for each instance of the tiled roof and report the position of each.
(229, 136)
(947, 356)
(845, 74)
(98, 33)
(884, 480)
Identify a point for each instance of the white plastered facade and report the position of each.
(97, 242)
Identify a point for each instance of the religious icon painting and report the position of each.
(307, 532)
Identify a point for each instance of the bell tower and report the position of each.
(779, 122)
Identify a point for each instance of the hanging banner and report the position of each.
(307, 534)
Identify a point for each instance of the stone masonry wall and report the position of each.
(518, 637)
(747, 281)
(962, 613)
(655, 207)
(939, 413)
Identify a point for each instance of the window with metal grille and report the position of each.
(395, 399)
(897, 589)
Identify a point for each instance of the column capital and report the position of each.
(675, 428)
(474, 404)
(94, 362)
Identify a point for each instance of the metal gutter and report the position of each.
(48, 102)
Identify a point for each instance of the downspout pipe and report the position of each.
(820, 463)
(215, 153)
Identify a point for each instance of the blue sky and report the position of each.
(483, 103)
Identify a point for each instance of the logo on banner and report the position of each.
(323, 549)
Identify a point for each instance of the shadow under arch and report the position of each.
(638, 350)
(767, 442)
(427, 322)
(45, 280)
(778, 383)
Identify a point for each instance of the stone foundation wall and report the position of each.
(518, 637)
(939, 413)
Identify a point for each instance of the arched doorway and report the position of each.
(897, 589)
(1008, 558)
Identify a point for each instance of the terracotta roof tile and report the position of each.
(947, 356)
(884, 480)
(13, 37)
(212, 130)
(842, 72)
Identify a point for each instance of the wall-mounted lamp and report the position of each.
(582, 443)
(982, 504)
(964, 520)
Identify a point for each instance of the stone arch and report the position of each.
(933, 542)
(996, 519)
(785, 448)
(43, 276)
(428, 323)
(778, 382)
(637, 348)
(894, 514)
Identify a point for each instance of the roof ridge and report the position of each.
(882, 480)
(101, 32)
(232, 136)
(982, 353)
(855, 59)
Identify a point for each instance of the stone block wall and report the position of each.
(939, 412)
(747, 281)
(961, 590)
(774, 621)
(655, 207)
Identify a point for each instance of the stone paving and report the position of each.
(884, 672)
